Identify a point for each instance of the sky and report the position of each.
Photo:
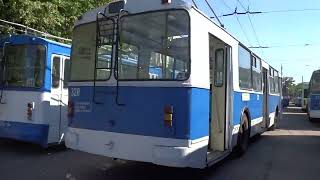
(293, 37)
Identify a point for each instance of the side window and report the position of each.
(256, 74)
(66, 75)
(271, 80)
(219, 68)
(244, 68)
(55, 77)
(276, 81)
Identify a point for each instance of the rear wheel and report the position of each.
(243, 136)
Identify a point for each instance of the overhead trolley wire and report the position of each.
(291, 10)
(194, 3)
(26, 29)
(285, 46)
(251, 23)
(226, 5)
(268, 12)
(214, 13)
(241, 27)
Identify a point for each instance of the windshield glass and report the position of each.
(315, 82)
(154, 46)
(25, 65)
(84, 53)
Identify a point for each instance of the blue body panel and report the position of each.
(199, 113)
(274, 102)
(34, 133)
(255, 106)
(314, 102)
(143, 113)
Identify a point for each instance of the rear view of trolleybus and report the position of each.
(34, 93)
(154, 81)
(314, 96)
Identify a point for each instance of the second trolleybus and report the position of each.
(313, 107)
(33, 89)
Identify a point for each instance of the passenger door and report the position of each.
(265, 98)
(59, 98)
(64, 96)
(54, 109)
(219, 54)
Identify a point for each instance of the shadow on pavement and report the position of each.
(19, 147)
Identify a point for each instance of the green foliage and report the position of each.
(292, 89)
(52, 16)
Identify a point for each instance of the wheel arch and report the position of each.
(246, 111)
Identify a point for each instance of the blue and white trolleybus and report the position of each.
(157, 81)
(34, 91)
(313, 107)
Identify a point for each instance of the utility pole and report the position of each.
(302, 89)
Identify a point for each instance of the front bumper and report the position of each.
(156, 150)
(27, 132)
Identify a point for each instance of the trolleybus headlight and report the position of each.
(168, 115)
(70, 109)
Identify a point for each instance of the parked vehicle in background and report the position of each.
(194, 109)
(298, 101)
(34, 94)
(285, 101)
(304, 95)
(314, 96)
(285, 94)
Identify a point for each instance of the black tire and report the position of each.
(243, 136)
(311, 119)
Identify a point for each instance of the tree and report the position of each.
(52, 16)
(288, 86)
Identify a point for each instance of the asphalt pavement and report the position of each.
(290, 152)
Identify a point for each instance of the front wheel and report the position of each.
(310, 119)
(243, 136)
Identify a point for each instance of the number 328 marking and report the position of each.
(75, 92)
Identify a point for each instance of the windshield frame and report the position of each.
(43, 75)
(311, 84)
(118, 49)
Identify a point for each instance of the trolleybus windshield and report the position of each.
(154, 45)
(24, 65)
(315, 83)
(84, 54)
